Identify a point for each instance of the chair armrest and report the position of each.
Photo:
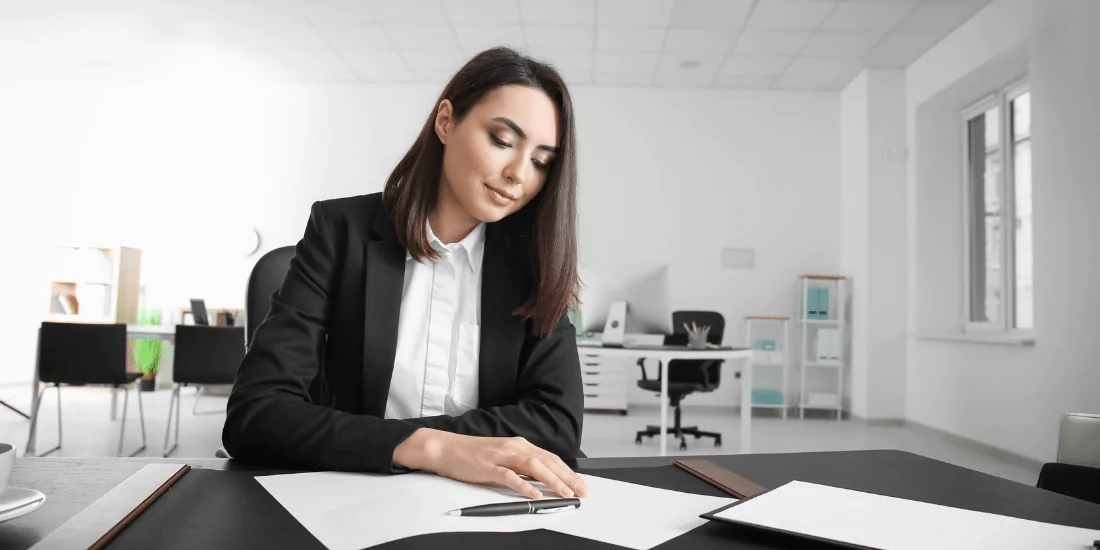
(705, 368)
(1082, 482)
(641, 363)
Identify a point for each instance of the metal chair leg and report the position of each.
(34, 423)
(114, 403)
(195, 408)
(122, 429)
(173, 402)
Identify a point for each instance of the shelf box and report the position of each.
(822, 400)
(767, 397)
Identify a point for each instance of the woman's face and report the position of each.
(497, 158)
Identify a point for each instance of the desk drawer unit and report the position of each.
(604, 383)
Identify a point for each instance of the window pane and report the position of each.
(1024, 286)
(986, 233)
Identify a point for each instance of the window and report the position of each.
(1000, 290)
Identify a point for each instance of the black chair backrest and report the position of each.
(267, 276)
(207, 355)
(681, 370)
(82, 353)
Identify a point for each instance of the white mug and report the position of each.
(7, 465)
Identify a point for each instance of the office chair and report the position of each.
(203, 355)
(84, 354)
(686, 376)
(1077, 471)
(267, 276)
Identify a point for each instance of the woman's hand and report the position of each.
(489, 460)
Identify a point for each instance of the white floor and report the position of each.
(89, 431)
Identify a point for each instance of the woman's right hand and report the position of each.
(489, 460)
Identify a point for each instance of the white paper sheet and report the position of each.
(351, 511)
(892, 523)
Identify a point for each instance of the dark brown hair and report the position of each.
(546, 227)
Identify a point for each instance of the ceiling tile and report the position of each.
(805, 83)
(482, 12)
(771, 42)
(868, 15)
(575, 67)
(935, 18)
(899, 50)
(699, 41)
(425, 60)
(623, 79)
(312, 66)
(476, 38)
(559, 38)
(823, 67)
(670, 63)
(684, 79)
(753, 82)
(421, 37)
(283, 34)
(710, 14)
(630, 39)
(755, 65)
(558, 12)
(841, 44)
(411, 12)
(377, 65)
(638, 13)
(790, 14)
(626, 62)
(347, 11)
(354, 36)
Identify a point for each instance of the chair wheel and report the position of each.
(683, 446)
(718, 442)
(638, 440)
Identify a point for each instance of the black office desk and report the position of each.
(237, 503)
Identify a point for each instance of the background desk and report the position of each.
(666, 355)
(73, 484)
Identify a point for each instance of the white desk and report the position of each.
(665, 355)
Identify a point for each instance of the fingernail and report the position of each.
(566, 492)
(536, 494)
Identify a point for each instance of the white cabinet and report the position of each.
(604, 382)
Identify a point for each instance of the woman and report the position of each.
(425, 327)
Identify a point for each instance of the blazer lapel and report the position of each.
(385, 275)
(502, 333)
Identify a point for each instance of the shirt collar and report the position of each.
(473, 243)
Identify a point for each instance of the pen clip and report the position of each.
(556, 510)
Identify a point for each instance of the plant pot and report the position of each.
(148, 384)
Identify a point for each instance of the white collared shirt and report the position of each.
(435, 369)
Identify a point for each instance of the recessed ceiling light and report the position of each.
(690, 64)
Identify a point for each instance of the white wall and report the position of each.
(854, 219)
(1006, 396)
(671, 175)
(872, 232)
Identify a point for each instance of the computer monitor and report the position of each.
(644, 290)
(198, 312)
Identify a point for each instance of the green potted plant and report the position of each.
(147, 352)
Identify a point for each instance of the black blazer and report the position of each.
(336, 314)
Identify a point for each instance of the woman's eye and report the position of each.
(540, 166)
(499, 142)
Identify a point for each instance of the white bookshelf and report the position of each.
(762, 331)
(94, 284)
(824, 331)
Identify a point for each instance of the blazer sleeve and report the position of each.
(271, 418)
(549, 405)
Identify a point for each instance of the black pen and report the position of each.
(547, 506)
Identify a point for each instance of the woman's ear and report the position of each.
(444, 120)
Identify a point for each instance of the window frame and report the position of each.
(1002, 100)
